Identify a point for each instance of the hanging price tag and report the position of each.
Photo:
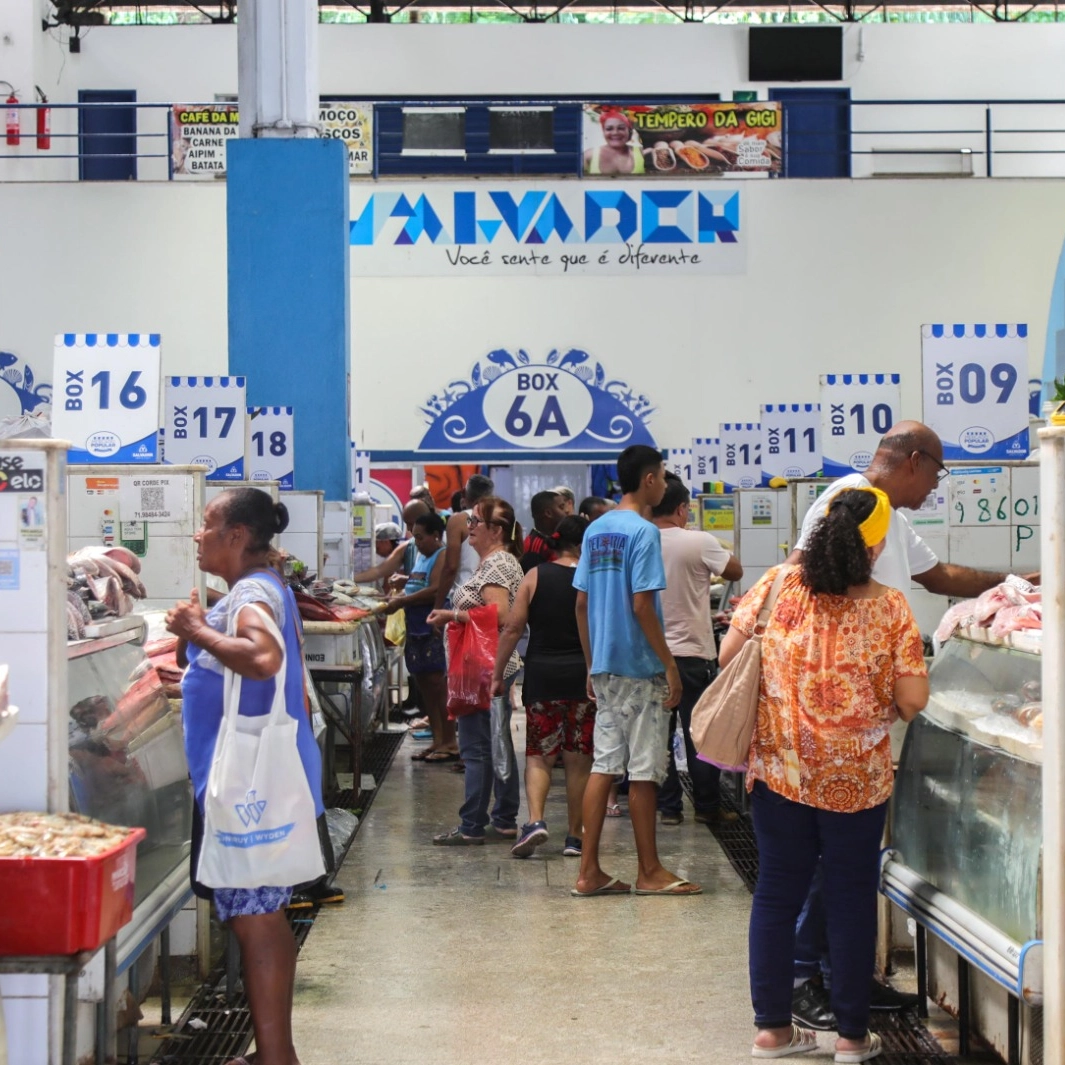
(106, 396)
(791, 440)
(269, 446)
(360, 471)
(705, 461)
(856, 411)
(679, 461)
(975, 389)
(204, 425)
(741, 454)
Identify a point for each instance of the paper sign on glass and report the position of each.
(204, 425)
(741, 454)
(857, 409)
(975, 389)
(106, 398)
(269, 450)
(791, 440)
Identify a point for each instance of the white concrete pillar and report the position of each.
(1052, 548)
(277, 61)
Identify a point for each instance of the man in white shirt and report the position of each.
(907, 465)
(690, 558)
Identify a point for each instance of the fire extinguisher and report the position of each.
(44, 122)
(12, 117)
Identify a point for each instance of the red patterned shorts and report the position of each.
(559, 725)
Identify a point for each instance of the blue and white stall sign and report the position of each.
(975, 389)
(203, 424)
(679, 461)
(106, 396)
(791, 440)
(741, 454)
(269, 446)
(360, 470)
(705, 455)
(857, 409)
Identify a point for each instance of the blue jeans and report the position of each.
(695, 677)
(475, 749)
(811, 938)
(791, 837)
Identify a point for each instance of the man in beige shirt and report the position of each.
(691, 558)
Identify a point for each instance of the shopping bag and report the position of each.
(723, 719)
(471, 656)
(396, 628)
(502, 744)
(259, 820)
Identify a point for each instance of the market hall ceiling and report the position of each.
(96, 12)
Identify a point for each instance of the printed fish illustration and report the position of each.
(502, 358)
(523, 357)
(29, 397)
(600, 375)
(573, 357)
(552, 357)
(475, 376)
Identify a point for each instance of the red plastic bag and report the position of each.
(471, 658)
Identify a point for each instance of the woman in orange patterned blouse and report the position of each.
(841, 660)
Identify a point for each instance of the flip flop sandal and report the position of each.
(852, 1057)
(802, 1042)
(439, 757)
(612, 887)
(672, 889)
(421, 756)
(613, 810)
(455, 838)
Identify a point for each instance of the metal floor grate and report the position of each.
(906, 1040)
(228, 1032)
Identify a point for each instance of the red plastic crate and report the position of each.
(67, 905)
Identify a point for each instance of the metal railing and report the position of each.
(822, 138)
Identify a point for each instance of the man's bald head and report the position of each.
(904, 438)
(413, 511)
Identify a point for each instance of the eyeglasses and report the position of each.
(943, 471)
(472, 521)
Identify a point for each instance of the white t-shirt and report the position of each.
(691, 558)
(905, 553)
(469, 560)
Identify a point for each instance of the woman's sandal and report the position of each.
(438, 757)
(802, 1042)
(613, 810)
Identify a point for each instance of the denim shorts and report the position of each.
(631, 726)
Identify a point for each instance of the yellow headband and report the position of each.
(875, 527)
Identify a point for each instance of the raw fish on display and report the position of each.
(1017, 618)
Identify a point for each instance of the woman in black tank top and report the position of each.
(560, 719)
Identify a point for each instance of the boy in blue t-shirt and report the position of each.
(631, 674)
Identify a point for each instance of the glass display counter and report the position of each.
(127, 767)
(966, 852)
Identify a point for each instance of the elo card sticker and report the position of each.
(204, 425)
(791, 440)
(857, 409)
(705, 461)
(106, 396)
(269, 446)
(679, 461)
(975, 389)
(741, 454)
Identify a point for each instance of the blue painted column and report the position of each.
(287, 230)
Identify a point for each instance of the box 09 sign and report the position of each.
(975, 391)
(269, 450)
(106, 401)
(856, 411)
(205, 425)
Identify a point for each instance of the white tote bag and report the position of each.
(260, 828)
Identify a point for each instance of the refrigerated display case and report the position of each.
(965, 860)
(127, 767)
